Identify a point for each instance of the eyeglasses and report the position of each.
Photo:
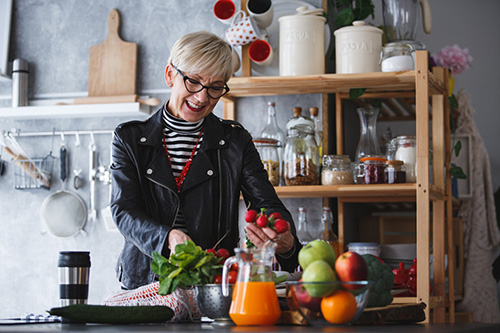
(194, 86)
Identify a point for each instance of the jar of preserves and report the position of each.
(268, 151)
(300, 158)
(395, 172)
(336, 170)
(406, 151)
(372, 170)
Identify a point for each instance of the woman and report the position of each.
(179, 174)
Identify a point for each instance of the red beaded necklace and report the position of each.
(180, 180)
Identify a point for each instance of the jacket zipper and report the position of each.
(178, 200)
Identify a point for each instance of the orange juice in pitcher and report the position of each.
(255, 301)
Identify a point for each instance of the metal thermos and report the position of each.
(20, 83)
(74, 269)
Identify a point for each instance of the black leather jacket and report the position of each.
(145, 200)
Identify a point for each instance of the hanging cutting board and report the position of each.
(113, 63)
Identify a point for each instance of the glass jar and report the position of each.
(406, 151)
(300, 158)
(372, 170)
(268, 151)
(395, 172)
(336, 170)
(396, 57)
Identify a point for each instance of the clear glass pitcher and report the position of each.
(255, 301)
(401, 17)
(368, 144)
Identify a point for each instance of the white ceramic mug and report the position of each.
(261, 11)
(243, 30)
(224, 10)
(261, 52)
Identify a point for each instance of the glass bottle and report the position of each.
(406, 151)
(395, 172)
(300, 122)
(272, 131)
(368, 145)
(328, 234)
(302, 233)
(318, 128)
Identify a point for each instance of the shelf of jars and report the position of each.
(357, 192)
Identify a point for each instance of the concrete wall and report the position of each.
(54, 36)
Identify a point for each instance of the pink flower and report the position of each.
(455, 59)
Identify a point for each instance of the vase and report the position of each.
(368, 145)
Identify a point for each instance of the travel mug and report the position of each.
(74, 269)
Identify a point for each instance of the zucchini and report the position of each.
(103, 314)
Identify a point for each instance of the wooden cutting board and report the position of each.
(113, 63)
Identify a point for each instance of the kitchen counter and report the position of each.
(197, 327)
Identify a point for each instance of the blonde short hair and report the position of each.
(203, 52)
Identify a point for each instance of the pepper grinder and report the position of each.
(20, 83)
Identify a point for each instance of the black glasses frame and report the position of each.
(185, 78)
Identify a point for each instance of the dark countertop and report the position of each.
(197, 327)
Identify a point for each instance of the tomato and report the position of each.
(218, 279)
(232, 277)
(234, 267)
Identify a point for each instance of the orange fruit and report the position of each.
(339, 308)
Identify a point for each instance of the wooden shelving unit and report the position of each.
(429, 91)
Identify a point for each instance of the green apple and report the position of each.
(317, 250)
(319, 271)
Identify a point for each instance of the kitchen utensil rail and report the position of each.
(50, 133)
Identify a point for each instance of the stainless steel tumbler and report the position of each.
(74, 269)
(20, 83)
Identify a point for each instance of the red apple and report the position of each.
(351, 266)
(306, 300)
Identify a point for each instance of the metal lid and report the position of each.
(20, 65)
(265, 142)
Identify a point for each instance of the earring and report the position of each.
(170, 85)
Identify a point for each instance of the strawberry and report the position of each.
(280, 226)
(251, 216)
(262, 220)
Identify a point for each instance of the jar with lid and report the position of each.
(300, 158)
(396, 57)
(299, 121)
(406, 151)
(268, 151)
(395, 172)
(372, 170)
(336, 170)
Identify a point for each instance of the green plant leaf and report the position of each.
(341, 3)
(356, 92)
(457, 147)
(344, 17)
(363, 9)
(453, 101)
(457, 172)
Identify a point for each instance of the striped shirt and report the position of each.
(180, 138)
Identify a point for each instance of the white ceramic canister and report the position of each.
(302, 45)
(357, 48)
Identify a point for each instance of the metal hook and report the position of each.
(77, 139)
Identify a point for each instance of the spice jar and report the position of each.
(300, 158)
(396, 57)
(372, 170)
(268, 150)
(406, 151)
(395, 172)
(336, 170)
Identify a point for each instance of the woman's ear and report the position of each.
(169, 77)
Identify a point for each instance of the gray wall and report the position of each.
(55, 36)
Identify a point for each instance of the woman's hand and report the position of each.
(176, 237)
(259, 236)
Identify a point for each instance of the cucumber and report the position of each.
(102, 314)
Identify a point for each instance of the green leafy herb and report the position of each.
(457, 172)
(189, 265)
(356, 92)
(453, 101)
